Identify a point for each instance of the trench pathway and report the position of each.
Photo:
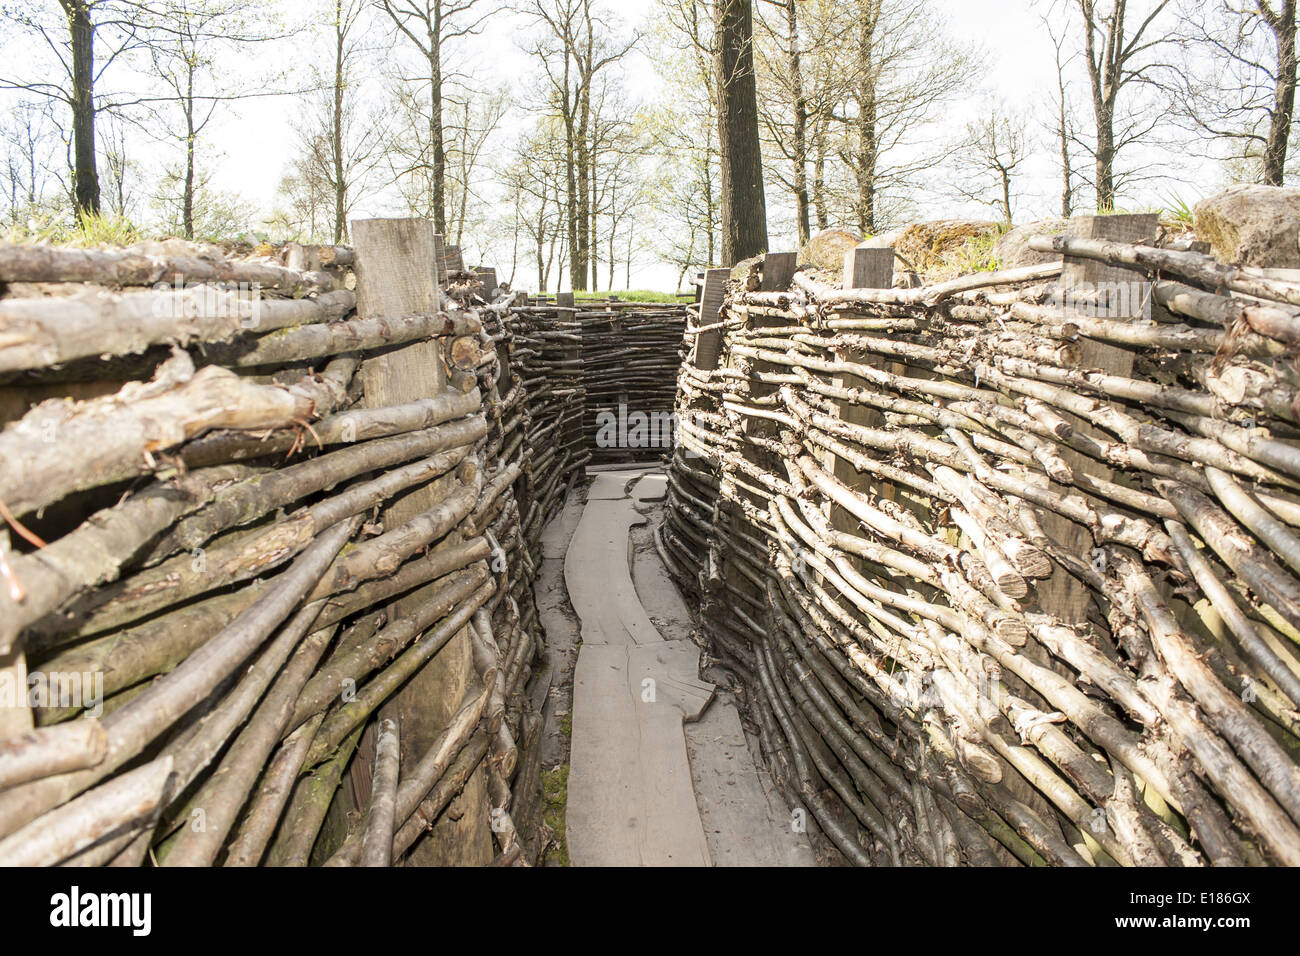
(660, 770)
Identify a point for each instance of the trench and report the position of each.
(393, 566)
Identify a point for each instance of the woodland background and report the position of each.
(575, 144)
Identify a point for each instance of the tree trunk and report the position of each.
(1283, 26)
(436, 144)
(85, 173)
(800, 134)
(819, 174)
(593, 247)
(336, 143)
(1063, 132)
(865, 94)
(612, 260)
(582, 161)
(710, 205)
(187, 201)
(1105, 90)
(1105, 158)
(744, 211)
(577, 268)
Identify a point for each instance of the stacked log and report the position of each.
(545, 347)
(193, 570)
(631, 354)
(992, 604)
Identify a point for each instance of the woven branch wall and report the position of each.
(1008, 565)
(225, 540)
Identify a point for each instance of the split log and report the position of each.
(263, 814)
(50, 750)
(127, 268)
(60, 448)
(390, 679)
(62, 832)
(95, 552)
(342, 428)
(224, 793)
(39, 333)
(1201, 269)
(243, 556)
(147, 716)
(415, 786)
(356, 335)
(243, 502)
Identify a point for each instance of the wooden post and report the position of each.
(864, 268)
(709, 344)
(398, 272)
(778, 271)
(439, 256)
(564, 299)
(1061, 595)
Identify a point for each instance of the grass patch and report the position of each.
(976, 255)
(566, 725)
(631, 295)
(87, 231)
(555, 799)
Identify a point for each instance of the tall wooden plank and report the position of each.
(866, 268)
(1061, 595)
(778, 271)
(863, 269)
(453, 261)
(397, 272)
(709, 344)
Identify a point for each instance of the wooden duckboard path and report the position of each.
(631, 801)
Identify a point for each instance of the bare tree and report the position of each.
(683, 130)
(189, 43)
(302, 204)
(341, 142)
(31, 144)
(120, 172)
(994, 149)
(576, 45)
(430, 25)
(744, 209)
(210, 212)
(535, 194)
(901, 68)
(1120, 45)
(541, 164)
(474, 121)
(1235, 81)
(1062, 128)
(784, 110)
(86, 38)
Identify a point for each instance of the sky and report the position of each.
(255, 139)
